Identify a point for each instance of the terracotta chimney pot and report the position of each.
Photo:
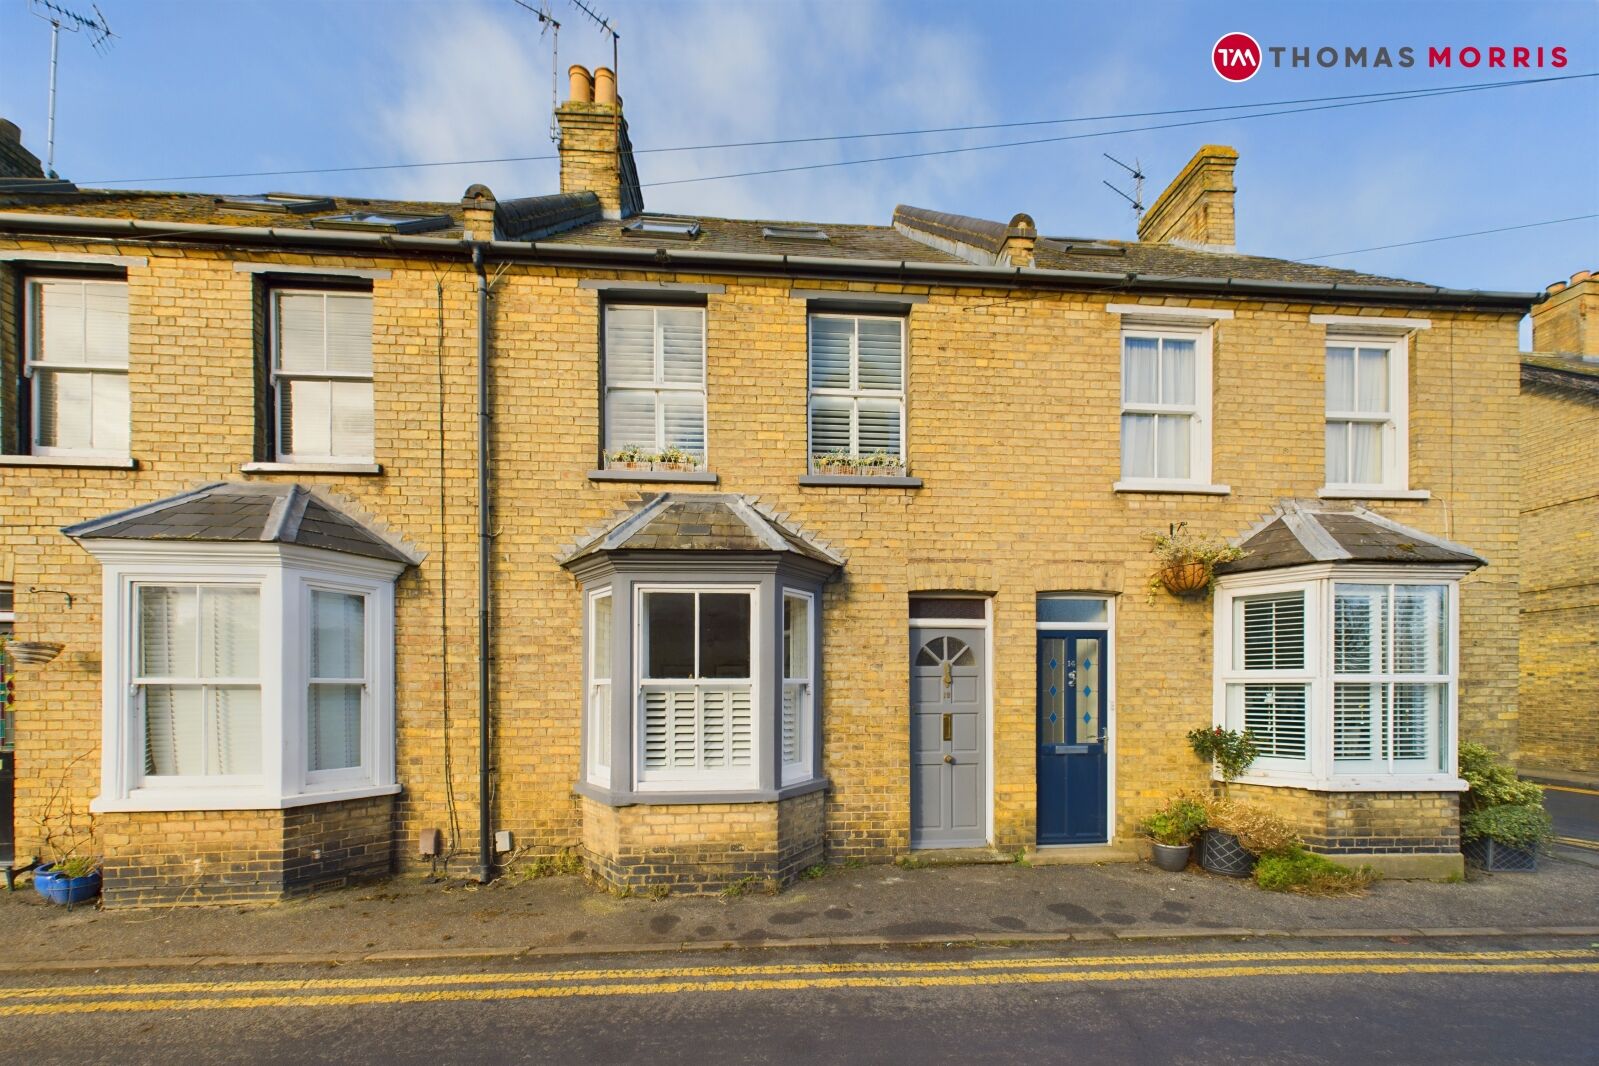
(604, 85)
(582, 84)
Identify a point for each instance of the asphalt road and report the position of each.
(1495, 1000)
(1576, 814)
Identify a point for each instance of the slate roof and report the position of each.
(1297, 534)
(211, 209)
(249, 511)
(745, 236)
(1171, 260)
(1569, 373)
(700, 522)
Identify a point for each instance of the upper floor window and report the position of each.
(1165, 407)
(77, 361)
(857, 404)
(322, 375)
(1367, 432)
(655, 384)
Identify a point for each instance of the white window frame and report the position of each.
(1319, 772)
(855, 393)
(731, 779)
(1309, 675)
(1200, 413)
(282, 379)
(362, 773)
(1395, 424)
(32, 366)
(285, 575)
(658, 385)
(803, 769)
(597, 733)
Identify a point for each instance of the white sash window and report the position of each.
(857, 377)
(77, 361)
(655, 381)
(322, 375)
(1367, 423)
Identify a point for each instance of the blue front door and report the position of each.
(1073, 722)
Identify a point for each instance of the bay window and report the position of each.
(797, 708)
(77, 363)
(696, 691)
(339, 677)
(1344, 675)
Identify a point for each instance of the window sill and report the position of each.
(1173, 488)
(681, 477)
(70, 462)
(859, 481)
(621, 798)
(1354, 782)
(209, 799)
(1356, 492)
(312, 468)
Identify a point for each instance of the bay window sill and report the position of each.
(230, 799)
(1353, 782)
(860, 481)
(1370, 492)
(681, 477)
(72, 462)
(686, 794)
(1173, 488)
(311, 468)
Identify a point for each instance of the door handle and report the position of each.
(950, 759)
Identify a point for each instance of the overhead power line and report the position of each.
(1353, 99)
(1450, 237)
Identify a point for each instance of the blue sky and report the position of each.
(199, 88)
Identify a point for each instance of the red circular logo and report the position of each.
(1236, 57)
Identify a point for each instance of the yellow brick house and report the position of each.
(713, 547)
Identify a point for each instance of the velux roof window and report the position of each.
(794, 233)
(685, 229)
(284, 202)
(384, 222)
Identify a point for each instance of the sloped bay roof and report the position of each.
(244, 512)
(700, 522)
(1299, 534)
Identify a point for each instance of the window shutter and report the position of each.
(105, 324)
(1419, 624)
(742, 726)
(881, 354)
(630, 419)
(1418, 717)
(879, 426)
(629, 346)
(830, 352)
(830, 418)
(1354, 723)
(1275, 714)
(684, 415)
(682, 728)
(682, 346)
(657, 725)
(1357, 629)
(1274, 632)
(792, 695)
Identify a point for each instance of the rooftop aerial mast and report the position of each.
(61, 18)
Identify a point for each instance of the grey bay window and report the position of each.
(77, 366)
(654, 382)
(321, 370)
(857, 388)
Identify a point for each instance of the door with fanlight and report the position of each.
(1073, 729)
(949, 730)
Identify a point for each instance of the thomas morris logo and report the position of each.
(1239, 57)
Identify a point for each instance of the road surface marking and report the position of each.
(896, 981)
(1572, 788)
(1578, 842)
(313, 984)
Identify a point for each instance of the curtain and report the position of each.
(1140, 370)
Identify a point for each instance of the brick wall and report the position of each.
(1365, 823)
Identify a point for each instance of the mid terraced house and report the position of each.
(800, 540)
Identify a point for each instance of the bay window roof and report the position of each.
(1300, 534)
(258, 512)
(708, 521)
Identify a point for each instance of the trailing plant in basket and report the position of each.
(1178, 547)
(1230, 750)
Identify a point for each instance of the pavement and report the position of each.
(406, 918)
(1391, 1000)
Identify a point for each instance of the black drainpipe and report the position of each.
(484, 538)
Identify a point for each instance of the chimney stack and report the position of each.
(1567, 322)
(1197, 207)
(596, 155)
(15, 160)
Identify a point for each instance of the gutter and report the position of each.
(663, 258)
(485, 872)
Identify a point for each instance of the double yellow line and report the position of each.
(35, 1001)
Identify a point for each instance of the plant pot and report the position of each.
(1220, 853)
(67, 890)
(1173, 857)
(1488, 854)
(1185, 579)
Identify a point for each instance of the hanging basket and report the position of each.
(1185, 579)
(32, 652)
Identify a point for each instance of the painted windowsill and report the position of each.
(1353, 783)
(860, 481)
(87, 462)
(1356, 492)
(685, 794)
(1173, 488)
(682, 477)
(312, 468)
(222, 799)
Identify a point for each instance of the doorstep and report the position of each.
(983, 856)
(1074, 854)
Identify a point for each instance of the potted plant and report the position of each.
(68, 834)
(1187, 561)
(1238, 834)
(631, 457)
(1230, 752)
(1171, 831)
(1503, 823)
(875, 464)
(675, 458)
(68, 881)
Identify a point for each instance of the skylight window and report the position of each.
(277, 201)
(647, 226)
(384, 221)
(793, 233)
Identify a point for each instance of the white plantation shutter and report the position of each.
(683, 726)
(1357, 721)
(1274, 632)
(322, 368)
(78, 360)
(1390, 664)
(1269, 639)
(1275, 714)
(793, 692)
(857, 374)
(655, 379)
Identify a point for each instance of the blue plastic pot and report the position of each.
(58, 889)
